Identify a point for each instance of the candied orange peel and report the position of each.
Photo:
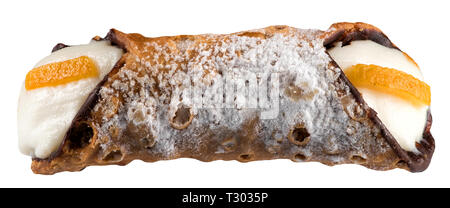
(390, 81)
(58, 73)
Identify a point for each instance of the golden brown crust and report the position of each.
(96, 138)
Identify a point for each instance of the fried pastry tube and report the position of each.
(271, 93)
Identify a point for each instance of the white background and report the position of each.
(30, 29)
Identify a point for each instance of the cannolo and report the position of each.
(340, 96)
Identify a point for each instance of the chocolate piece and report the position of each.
(59, 46)
(62, 45)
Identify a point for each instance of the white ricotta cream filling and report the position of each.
(45, 114)
(404, 120)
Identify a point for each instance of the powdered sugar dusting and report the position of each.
(150, 89)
